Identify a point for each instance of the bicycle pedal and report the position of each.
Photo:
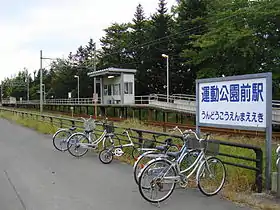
(183, 184)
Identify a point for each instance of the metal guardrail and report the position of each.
(140, 137)
(144, 99)
(177, 102)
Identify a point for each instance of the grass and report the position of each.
(239, 181)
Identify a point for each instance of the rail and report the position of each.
(61, 121)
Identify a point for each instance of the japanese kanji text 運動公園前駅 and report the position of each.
(235, 93)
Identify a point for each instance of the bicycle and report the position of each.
(75, 139)
(161, 152)
(200, 165)
(61, 145)
(150, 154)
(113, 150)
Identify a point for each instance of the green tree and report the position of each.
(159, 33)
(190, 17)
(138, 37)
(242, 39)
(115, 46)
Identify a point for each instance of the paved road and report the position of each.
(34, 176)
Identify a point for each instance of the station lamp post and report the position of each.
(78, 79)
(167, 75)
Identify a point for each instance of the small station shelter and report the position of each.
(116, 86)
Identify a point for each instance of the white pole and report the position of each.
(78, 89)
(41, 82)
(167, 79)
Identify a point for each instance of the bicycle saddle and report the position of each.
(161, 148)
(72, 128)
(173, 154)
(168, 141)
(88, 131)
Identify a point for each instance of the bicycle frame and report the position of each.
(179, 174)
(94, 144)
(131, 144)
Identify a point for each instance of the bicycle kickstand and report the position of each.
(156, 204)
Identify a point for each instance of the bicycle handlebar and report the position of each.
(190, 131)
(176, 129)
(85, 120)
(82, 118)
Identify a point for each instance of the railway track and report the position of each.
(275, 135)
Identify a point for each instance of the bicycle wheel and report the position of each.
(212, 168)
(60, 139)
(105, 156)
(75, 144)
(166, 170)
(141, 162)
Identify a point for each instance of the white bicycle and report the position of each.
(160, 175)
(79, 143)
(61, 136)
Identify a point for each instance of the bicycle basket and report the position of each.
(89, 125)
(193, 143)
(109, 127)
(212, 148)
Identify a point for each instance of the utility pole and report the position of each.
(94, 82)
(27, 81)
(44, 92)
(94, 69)
(41, 81)
(1, 92)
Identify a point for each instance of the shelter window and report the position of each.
(109, 90)
(105, 90)
(117, 89)
(128, 89)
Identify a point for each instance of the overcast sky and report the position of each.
(57, 27)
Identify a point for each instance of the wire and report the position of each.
(205, 30)
(157, 41)
(170, 55)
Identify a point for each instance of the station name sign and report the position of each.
(238, 101)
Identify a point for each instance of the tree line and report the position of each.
(206, 38)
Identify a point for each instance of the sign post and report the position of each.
(239, 102)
